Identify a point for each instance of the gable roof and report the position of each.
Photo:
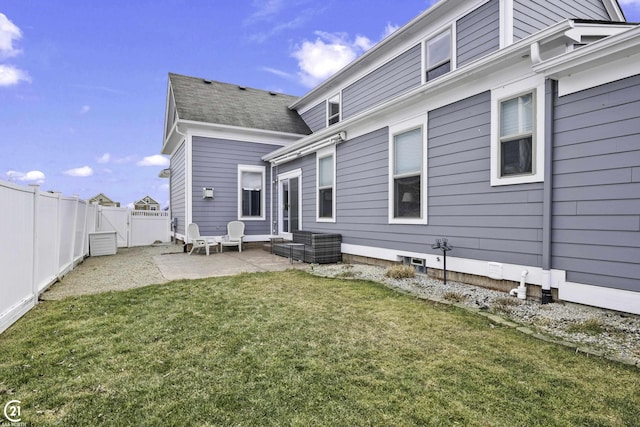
(208, 101)
(144, 201)
(100, 197)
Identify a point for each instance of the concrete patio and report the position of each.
(149, 265)
(177, 266)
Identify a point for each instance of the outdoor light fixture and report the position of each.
(444, 246)
(207, 193)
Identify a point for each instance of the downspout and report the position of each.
(547, 195)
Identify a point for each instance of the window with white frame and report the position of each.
(326, 184)
(438, 55)
(333, 110)
(516, 135)
(407, 200)
(517, 132)
(251, 194)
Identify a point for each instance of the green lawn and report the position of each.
(293, 349)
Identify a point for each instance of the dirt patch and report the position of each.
(129, 268)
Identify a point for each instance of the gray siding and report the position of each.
(596, 185)
(478, 33)
(494, 224)
(215, 164)
(531, 16)
(392, 79)
(177, 188)
(501, 224)
(316, 117)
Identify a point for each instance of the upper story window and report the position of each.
(251, 195)
(333, 110)
(438, 55)
(517, 132)
(326, 184)
(407, 186)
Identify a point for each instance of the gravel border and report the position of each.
(606, 333)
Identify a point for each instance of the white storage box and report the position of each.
(103, 243)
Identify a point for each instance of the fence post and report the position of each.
(58, 231)
(34, 264)
(73, 229)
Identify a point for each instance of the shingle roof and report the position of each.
(227, 104)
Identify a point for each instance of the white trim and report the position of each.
(295, 173)
(506, 23)
(263, 192)
(598, 296)
(451, 28)
(321, 154)
(600, 75)
(394, 129)
(327, 109)
(438, 16)
(535, 84)
(188, 182)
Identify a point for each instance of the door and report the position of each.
(289, 203)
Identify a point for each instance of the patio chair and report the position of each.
(198, 241)
(235, 233)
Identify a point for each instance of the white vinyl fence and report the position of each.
(45, 235)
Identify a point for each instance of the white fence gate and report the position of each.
(135, 228)
(45, 235)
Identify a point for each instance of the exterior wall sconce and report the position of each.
(207, 193)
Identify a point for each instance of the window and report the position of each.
(333, 110)
(326, 188)
(517, 132)
(516, 135)
(438, 55)
(407, 163)
(251, 197)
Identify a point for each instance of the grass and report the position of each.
(293, 349)
(588, 327)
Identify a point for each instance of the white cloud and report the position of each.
(83, 171)
(104, 158)
(330, 52)
(9, 33)
(389, 29)
(155, 160)
(629, 2)
(85, 109)
(31, 177)
(10, 75)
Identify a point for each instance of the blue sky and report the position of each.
(83, 83)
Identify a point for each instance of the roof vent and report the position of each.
(207, 81)
(242, 88)
(272, 93)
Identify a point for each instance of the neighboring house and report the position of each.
(103, 200)
(146, 204)
(509, 127)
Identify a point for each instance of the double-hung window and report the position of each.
(333, 110)
(251, 194)
(518, 132)
(516, 135)
(438, 55)
(407, 166)
(326, 184)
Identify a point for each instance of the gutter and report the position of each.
(480, 66)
